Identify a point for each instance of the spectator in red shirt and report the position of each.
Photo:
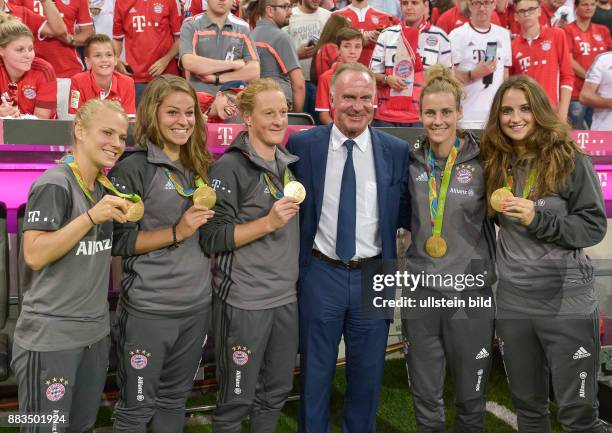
(542, 52)
(350, 45)
(51, 27)
(223, 107)
(586, 41)
(370, 22)
(27, 84)
(61, 52)
(326, 49)
(101, 81)
(151, 32)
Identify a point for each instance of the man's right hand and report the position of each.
(282, 211)
(306, 51)
(483, 69)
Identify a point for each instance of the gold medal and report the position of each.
(435, 246)
(135, 211)
(205, 196)
(498, 196)
(296, 190)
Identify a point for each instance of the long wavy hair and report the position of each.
(550, 142)
(194, 155)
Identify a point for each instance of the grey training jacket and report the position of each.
(169, 281)
(261, 274)
(469, 234)
(542, 267)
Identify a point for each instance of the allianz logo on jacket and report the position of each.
(89, 248)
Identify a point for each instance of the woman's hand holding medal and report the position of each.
(519, 208)
(110, 207)
(192, 219)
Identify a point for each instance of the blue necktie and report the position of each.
(347, 211)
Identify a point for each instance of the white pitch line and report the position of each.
(503, 413)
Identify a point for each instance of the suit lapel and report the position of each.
(382, 165)
(318, 159)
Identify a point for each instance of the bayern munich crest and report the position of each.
(240, 355)
(404, 69)
(464, 173)
(431, 40)
(29, 92)
(158, 8)
(546, 45)
(139, 358)
(56, 388)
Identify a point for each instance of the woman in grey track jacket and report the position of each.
(547, 309)
(164, 311)
(452, 249)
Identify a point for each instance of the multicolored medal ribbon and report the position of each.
(135, 209)
(202, 195)
(436, 246)
(501, 194)
(291, 188)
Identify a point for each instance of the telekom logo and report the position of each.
(225, 135)
(583, 139)
(138, 22)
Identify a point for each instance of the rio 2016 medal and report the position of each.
(436, 246)
(296, 190)
(498, 196)
(205, 196)
(135, 211)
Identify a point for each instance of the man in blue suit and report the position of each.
(356, 198)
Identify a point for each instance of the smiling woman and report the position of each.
(64, 320)
(546, 302)
(451, 234)
(166, 276)
(27, 83)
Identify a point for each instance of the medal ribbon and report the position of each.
(437, 205)
(276, 193)
(76, 171)
(528, 185)
(179, 188)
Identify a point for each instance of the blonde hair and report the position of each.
(90, 109)
(439, 79)
(194, 155)
(246, 98)
(12, 28)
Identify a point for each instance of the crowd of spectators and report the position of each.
(111, 49)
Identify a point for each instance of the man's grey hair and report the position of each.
(358, 67)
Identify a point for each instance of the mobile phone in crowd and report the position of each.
(490, 54)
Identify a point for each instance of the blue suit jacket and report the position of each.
(391, 158)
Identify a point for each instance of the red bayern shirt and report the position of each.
(373, 19)
(36, 88)
(453, 18)
(322, 102)
(325, 58)
(64, 58)
(546, 59)
(33, 21)
(83, 87)
(585, 46)
(148, 29)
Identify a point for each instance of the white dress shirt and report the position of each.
(367, 235)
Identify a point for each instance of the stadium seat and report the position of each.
(301, 119)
